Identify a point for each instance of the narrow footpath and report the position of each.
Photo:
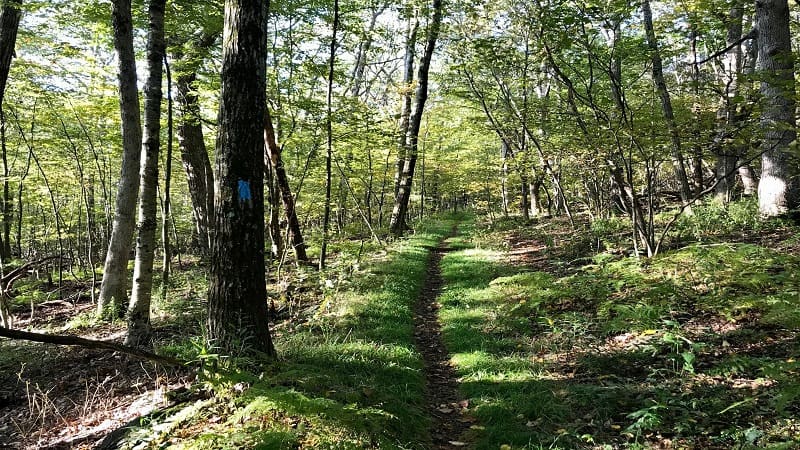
(445, 407)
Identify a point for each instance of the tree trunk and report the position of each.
(524, 206)
(666, 104)
(194, 157)
(405, 113)
(329, 136)
(282, 181)
(398, 222)
(113, 295)
(776, 189)
(237, 307)
(5, 251)
(728, 116)
(504, 178)
(749, 181)
(165, 242)
(139, 334)
(9, 24)
(363, 50)
(275, 232)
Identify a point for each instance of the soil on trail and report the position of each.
(446, 409)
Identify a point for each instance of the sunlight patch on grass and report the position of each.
(620, 351)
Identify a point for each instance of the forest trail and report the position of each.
(444, 404)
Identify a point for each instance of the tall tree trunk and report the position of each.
(504, 177)
(273, 193)
(166, 261)
(666, 104)
(282, 181)
(194, 157)
(329, 137)
(364, 48)
(5, 251)
(777, 192)
(9, 25)
(139, 333)
(524, 205)
(728, 114)
(113, 294)
(405, 111)
(237, 307)
(398, 221)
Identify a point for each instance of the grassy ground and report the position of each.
(559, 338)
(348, 376)
(696, 348)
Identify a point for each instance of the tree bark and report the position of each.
(282, 180)
(666, 105)
(167, 213)
(329, 136)
(194, 157)
(5, 252)
(9, 25)
(405, 111)
(728, 116)
(139, 333)
(113, 294)
(504, 150)
(237, 306)
(398, 221)
(777, 192)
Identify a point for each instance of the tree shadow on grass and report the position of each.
(603, 359)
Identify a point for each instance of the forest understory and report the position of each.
(498, 335)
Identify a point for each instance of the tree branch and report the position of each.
(752, 34)
(89, 343)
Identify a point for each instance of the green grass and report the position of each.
(697, 346)
(348, 375)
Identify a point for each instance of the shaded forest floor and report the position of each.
(506, 335)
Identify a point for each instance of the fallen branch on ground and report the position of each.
(89, 343)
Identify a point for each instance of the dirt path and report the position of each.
(445, 407)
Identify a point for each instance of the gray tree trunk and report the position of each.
(728, 151)
(113, 289)
(666, 104)
(405, 113)
(139, 334)
(237, 307)
(776, 189)
(398, 220)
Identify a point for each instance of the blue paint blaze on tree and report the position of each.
(244, 191)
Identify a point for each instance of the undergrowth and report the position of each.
(696, 348)
(348, 375)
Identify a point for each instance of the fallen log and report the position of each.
(89, 343)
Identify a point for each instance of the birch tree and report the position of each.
(139, 308)
(113, 290)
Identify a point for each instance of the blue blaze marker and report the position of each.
(244, 191)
